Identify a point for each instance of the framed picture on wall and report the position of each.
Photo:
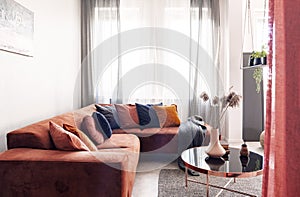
(16, 28)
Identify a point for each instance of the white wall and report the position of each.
(252, 28)
(35, 88)
(236, 13)
(235, 79)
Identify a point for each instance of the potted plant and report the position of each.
(255, 58)
(258, 57)
(251, 59)
(215, 150)
(264, 57)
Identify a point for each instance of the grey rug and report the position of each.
(172, 183)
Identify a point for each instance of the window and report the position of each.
(148, 86)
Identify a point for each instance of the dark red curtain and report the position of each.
(282, 151)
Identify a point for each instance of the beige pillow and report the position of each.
(88, 126)
(84, 138)
(128, 116)
(64, 140)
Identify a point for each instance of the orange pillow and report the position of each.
(64, 140)
(128, 116)
(167, 116)
(84, 138)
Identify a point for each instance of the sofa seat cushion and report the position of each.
(129, 142)
(148, 131)
(29, 154)
(162, 140)
(136, 131)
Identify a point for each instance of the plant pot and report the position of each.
(215, 150)
(257, 61)
(264, 60)
(251, 61)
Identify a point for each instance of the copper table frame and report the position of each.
(233, 175)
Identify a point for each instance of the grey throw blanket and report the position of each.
(191, 134)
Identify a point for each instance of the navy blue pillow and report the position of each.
(102, 124)
(156, 104)
(110, 114)
(147, 116)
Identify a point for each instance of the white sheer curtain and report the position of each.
(206, 30)
(159, 67)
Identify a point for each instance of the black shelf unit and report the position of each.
(253, 103)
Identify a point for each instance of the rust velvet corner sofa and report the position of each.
(32, 166)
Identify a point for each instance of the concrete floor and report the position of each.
(146, 181)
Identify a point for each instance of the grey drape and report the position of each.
(208, 10)
(87, 18)
(90, 12)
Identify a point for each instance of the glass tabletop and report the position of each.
(234, 165)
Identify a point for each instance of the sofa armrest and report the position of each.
(36, 172)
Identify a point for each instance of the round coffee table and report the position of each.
(233, 165)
